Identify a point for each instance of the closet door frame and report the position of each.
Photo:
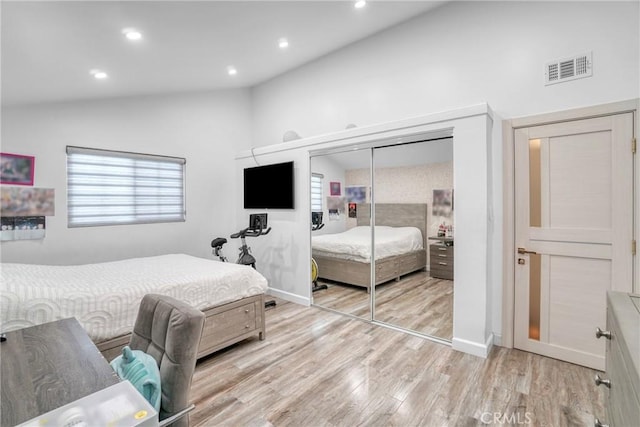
(372, 146)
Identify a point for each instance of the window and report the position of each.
(113, 187)
(316, 192)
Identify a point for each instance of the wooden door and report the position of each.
(574, 233)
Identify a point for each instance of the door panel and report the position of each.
(574, 219)
(341, 283)
(580, 181)
(574, 299)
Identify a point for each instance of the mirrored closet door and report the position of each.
(407, 255)
(341, 259)
(413, 235)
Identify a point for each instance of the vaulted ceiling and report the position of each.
(53, 50)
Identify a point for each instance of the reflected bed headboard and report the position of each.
(396, 215)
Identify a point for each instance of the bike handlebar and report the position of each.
(249, 232)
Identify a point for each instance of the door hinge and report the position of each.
(633, 247)
(633, 146)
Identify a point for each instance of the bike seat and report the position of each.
(218, 242)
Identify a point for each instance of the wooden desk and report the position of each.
(46, 366)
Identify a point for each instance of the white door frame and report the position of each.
(508, 176)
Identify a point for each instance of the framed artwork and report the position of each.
(442, 203)
(336, 204)
(334, 189)
(16, 169)
(353, 210)
(19, 201)
(356, 194)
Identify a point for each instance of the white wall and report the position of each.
(208, 129)
(460, 54)
(457, 55)
(284, 255)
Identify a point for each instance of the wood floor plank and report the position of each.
(417, 302)
(317, 368)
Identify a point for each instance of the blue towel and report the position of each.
(142, 371)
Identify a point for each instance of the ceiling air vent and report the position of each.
(566, 69)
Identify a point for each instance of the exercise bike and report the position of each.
(257, 227)
(316, 224)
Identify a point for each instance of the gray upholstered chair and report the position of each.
(169, 330)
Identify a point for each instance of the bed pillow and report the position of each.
(142, 371)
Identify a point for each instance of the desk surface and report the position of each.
(46, 366)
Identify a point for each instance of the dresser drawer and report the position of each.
(622, 360)
(412, 262)
(386, 270)
(440, 264)
(438, 248)
(441, 273)
(624, 404)
(228, 324)
(441, 261)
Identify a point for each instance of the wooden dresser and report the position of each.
(441, 260)
(622, 376)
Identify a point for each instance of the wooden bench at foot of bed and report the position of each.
(224, 325)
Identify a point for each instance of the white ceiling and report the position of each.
(49, 47)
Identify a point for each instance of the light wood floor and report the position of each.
(418, 302)
(317, 368)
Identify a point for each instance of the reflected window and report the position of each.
(316, 192)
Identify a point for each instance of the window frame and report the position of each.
(136, 217)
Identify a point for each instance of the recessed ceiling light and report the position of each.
(231, 70)
(132, 34)
(360, 4)
(98, 74)
(283, 43)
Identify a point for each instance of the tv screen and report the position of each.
(269, 187)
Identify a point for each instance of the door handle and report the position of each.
(523, 251)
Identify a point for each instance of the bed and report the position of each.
(105, 297)
(392, 261)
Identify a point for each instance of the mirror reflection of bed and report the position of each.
(406, 294)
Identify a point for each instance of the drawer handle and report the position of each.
(246, 326)
(442, 249)
(600, 381)
(600, 333)
(442, 255)
(442, 263)
(246, 310)
(597, 423)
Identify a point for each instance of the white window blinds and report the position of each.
(113, 187)
(316, 192)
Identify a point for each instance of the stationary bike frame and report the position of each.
(245, 257)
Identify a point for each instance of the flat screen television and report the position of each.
(269, 187)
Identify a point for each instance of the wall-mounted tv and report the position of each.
(269, 187)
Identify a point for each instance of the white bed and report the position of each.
(355, 244)
(105, 297)
(400, 246)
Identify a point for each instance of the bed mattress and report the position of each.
(355, 244)
(105, 297)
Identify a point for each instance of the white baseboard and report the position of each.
(474, 348)
(497, 339)
(289, 296)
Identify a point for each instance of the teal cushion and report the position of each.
(142, 371)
